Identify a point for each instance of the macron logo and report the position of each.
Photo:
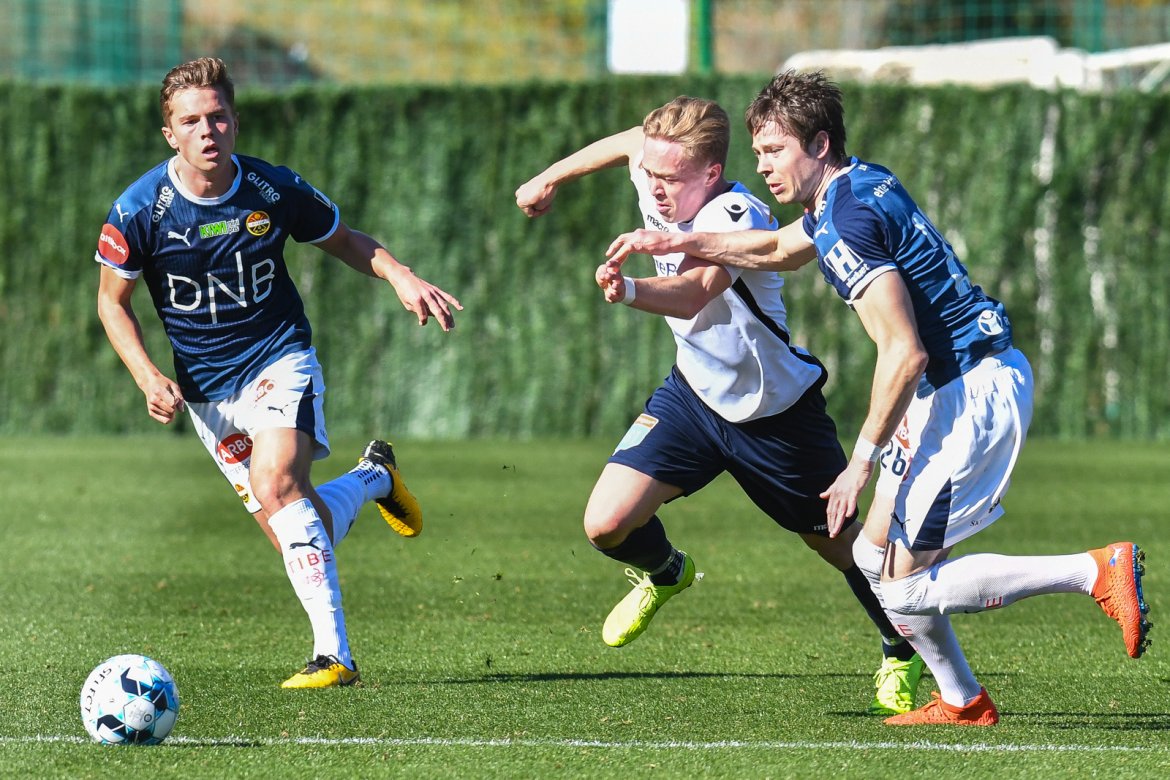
(735, 211)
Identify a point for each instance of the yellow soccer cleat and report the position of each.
(896, 684)
(633, 614)
(324, 671)
(400, 508)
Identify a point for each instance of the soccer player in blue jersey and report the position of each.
(741, 397)
(206, 230)
(951, 398)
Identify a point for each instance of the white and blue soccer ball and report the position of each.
(129, 699)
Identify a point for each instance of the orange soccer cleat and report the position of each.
(981, 712)
(1118, 591)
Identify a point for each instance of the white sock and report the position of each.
(931, 635)
(935, 640)
(309, 564)
(869, 558)
(345, 495)
(974, 583)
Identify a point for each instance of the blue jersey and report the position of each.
(869, 225)
(215, 268)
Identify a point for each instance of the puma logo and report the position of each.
(178, 237)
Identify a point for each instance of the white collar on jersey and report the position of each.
(173, 174)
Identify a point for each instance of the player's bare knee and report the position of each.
(837, 552)
(274, 490)
(606, 529)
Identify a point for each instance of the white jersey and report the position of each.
(735, 353)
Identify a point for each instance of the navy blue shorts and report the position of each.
(782, 462)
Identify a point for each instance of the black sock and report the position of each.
(671, 573)
(647, 549)
(903, 650)
(864, 594)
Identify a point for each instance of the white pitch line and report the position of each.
(978, 747)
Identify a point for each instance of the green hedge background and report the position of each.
(1056, 202)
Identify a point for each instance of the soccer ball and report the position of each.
(129, 699)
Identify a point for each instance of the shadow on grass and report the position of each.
(1101, 721)
(523, 677)
(537, 677)
(533, 677)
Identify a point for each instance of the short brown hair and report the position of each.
(701, 126)
(203, 72)
(802, 104)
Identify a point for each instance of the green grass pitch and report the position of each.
(479, 642)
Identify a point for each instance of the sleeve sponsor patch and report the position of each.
(320, 196)
(637, 432)
(112, 245)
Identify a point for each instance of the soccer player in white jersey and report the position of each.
(206, 230)
(741, 397)
(951, 398)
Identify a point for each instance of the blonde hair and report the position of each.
(701, 126)
(203, 72)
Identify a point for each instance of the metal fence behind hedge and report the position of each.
(282, 42)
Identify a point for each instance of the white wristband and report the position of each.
(866, 449)
(630, 294)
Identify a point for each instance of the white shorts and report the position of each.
(951, 460)
(287, 394)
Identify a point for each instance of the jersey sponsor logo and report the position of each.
(180, 236)
(735, 211)
(267, 191)
(320, 196)
(902, 434)
(225, 227)
(112, 245)
(842, 262)
(262, 273)
(637, 432)
(651, 219)
(823, 230)
(258, 223)
(263, 388)
(235, 449)
(121, 214)
(990, 323)
(242, 492)
(166, 196)
(886, 185)
(664, 268)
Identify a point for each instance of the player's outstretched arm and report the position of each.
(362, 253)
(535, 196)
(164, 399)
(785, 249)
(683, 295)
